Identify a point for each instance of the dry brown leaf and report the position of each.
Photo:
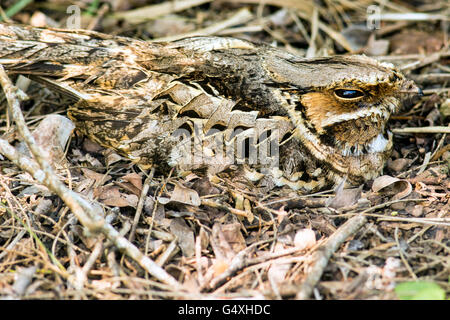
(111, 157)
(80, 157)
(185, 236)
(418, 41)
(129, 200)
(99, 178)
(227, 240)
(183, 195)
(392, 186)
(129, 187)
(149, 206)
(204, 187)
(399, 165)
(445, 108)
(135, 179)
(345, 198)
(111, 196)
(356, 35)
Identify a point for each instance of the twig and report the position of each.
(436, 129)
(140, 205)
(402, 256)
(82, 209)
(324, 252)
(12, 244)
(81, 274)
(171, 250)
(243, 260)
(240, 17)
(29, 229)
(436, 56)
(147, 13)
(439, 151)
(100, 14)
(412, 16)
(445, 222)
(235, 211)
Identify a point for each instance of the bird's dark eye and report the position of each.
(348, 94)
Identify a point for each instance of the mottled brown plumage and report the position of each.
(225, 99)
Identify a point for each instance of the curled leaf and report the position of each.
(391, 186)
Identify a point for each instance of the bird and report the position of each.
(211, 103)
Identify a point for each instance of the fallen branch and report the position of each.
(324, 252)
(43, 173)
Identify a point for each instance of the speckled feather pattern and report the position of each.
(132, 95)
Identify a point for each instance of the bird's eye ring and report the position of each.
(348, 94)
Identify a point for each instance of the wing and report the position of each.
(139, 97)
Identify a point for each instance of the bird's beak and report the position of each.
(410, 88)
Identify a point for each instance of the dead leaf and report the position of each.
(204, 187)
(345, 198)
(170, 25)
(183, 195)
(415, 210)
(227, 240)
(111, 157)
(392, 186)
(418, 41)
(129, 187)
(219, 266)
(445, 108)
(134, 179)
(80, 157)
(399, 165)
(185, 236)
(99, 178)
(51, 135)
(149, 206)
(111, 196)
(36, 189)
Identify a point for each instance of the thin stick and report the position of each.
(402, 256)
(140, 205)
(82, 275)
(324, 252)
(436, 129)
(241, 17)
